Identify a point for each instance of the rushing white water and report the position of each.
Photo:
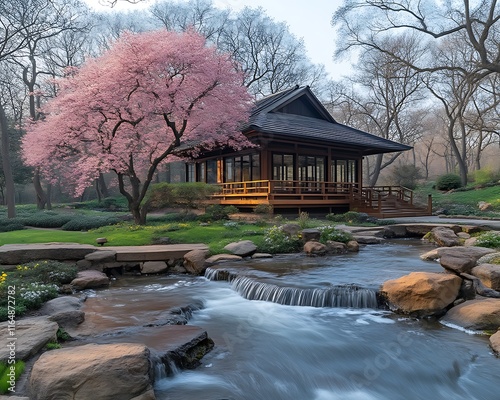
(270, 351)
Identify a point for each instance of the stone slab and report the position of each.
(154, 252)
(14, 254)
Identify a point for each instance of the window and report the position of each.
(311, 168)
(242, 168)
(283, 167)
(191, 172)
(211, 171)
(345, 170)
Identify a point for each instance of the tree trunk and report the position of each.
(49, 196)
(7, 168)
(41, 197)
(376, 170)
(103, 189)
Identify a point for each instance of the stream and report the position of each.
(333, 343)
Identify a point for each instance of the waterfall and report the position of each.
(163, 367)
(349, 296)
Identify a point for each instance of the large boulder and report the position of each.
(314, 248)
(65, 310)
(104, 372)
(243, 248)
(333, 247)
(483, 314)
(194, 261)
(495, 342)
(461, 259)
(153, 267)
(489, 274)
(445, 237)
(492, 258)
(422, 293)
(291, 229)
(90, 279)
(32, 334)
(310, 234)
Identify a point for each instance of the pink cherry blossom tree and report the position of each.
(130, 109)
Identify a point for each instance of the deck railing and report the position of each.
(289, 193)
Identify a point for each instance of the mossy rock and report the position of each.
(492, 258)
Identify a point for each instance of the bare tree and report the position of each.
(366, 23)
(271, 58)
(50, 19)
(386, 93)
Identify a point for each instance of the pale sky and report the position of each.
(306, 19)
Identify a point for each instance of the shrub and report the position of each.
(406, 175)
(277, 241)
(87, 222)
(484, 176)
(264, 209)
(47, 219)
(303, 220)
(48, 272)
(217, 212)
(33, 295)
(489, 239)
(448, 182)
(336, 235)
(189, 195)
(175, 217)
(5, 381)
(11, 224)
(351, 217)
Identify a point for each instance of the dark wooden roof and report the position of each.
(296, 113)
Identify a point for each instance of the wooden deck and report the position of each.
(379, 201)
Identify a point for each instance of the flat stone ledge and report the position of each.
(14, 254)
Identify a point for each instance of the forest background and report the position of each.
(424, 73)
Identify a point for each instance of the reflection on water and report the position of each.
(264, 350)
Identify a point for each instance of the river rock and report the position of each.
(352, 246)
(364, 239)
(420, 230)
(101, 256)
(394, 231)
(221, 258)
(492, 258)
(432, 255)
(461, 259)
(463, 235)
(495, 342)
(457, 263)
(90, 279)
(92, 371)
(483, 314)
(261, 255)
(243, 248)
(422, 293)
(489, 274)
(314, 248)
(194, 261)
(153, 267)
(291, 229)
(470, 242)
(65, 310)
(445, 237)
(32, 334)
(333, 247)
(310, 235)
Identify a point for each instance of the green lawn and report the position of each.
(463, 202)
(215, 235)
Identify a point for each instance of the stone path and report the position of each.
(13, 254)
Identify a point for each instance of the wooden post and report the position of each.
(429, 204)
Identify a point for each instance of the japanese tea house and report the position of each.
(305, 161)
